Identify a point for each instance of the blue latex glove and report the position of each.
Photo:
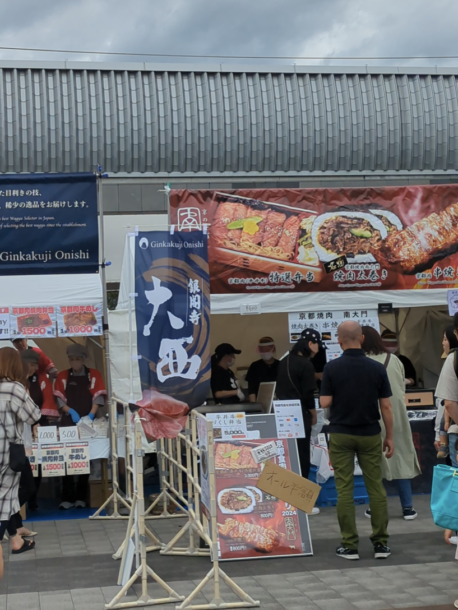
(74, 415)
(91, 416)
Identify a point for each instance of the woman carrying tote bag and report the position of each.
(16, 408)
(403, 466)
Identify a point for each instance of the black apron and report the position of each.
(79, 396)
(36, 394)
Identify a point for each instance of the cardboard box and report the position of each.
(289, 487)
(98, 493)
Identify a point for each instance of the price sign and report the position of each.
(261, 453)
(47, 434)
(32, 322)
(78, 458)
(34, 459)
(80, 320)
(69, 434)
(228, 426)
(53, 460)
(5, 323)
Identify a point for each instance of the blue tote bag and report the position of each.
(444, 497)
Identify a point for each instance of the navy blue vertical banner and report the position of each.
(172, 310)
(48, 224)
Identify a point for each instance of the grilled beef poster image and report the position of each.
(252, 523)
(318, 240)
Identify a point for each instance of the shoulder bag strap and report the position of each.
(387, 360)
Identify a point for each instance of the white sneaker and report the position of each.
(315, 511)
(65, 505)
(80, 504)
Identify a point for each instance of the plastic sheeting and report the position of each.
(120, 357)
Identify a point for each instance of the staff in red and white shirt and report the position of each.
(45, 365)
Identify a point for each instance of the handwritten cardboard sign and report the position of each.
(289, 487)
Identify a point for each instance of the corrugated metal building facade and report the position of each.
(223, 127)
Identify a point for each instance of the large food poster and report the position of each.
(79, 320)
(33, 322)
(252, 523)
(314, 240)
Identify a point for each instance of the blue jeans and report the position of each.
(405, 492)
(452, 438)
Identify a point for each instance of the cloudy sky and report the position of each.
(318, 28)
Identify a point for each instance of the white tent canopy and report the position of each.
(319, 301)
(41, 290)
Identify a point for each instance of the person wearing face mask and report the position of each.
(296, 380)
(263, 370)
(79, 391)
(224, 384)
(390, 341)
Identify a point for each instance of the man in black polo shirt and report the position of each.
(352, 388)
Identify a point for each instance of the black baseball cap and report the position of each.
(225, 349)
(310, 334)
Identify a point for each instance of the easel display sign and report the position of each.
(327, 323)
(252, 523)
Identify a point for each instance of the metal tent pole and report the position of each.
(114, 497)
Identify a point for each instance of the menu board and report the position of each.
(78, 458)
(29, 322)
(227, 426)
(327, 323)
(53, 460)
(80, 320)
(252, 523)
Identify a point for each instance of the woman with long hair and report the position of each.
(16, 409)
(445, 443)
(403, 466)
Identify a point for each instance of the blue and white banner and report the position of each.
(172, 309)
(48, 224)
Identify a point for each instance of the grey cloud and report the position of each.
(232, 27)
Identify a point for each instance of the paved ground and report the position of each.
(72, 569)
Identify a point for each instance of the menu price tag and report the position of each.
(228, 426)
(53, 460)
(265, 452)
(289, 420)
(5, 332)
(78, 458)
(34, 459)
(47, 434)
(33, 322)
(80, 320)
(69, 434)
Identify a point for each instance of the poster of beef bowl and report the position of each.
(319, 240)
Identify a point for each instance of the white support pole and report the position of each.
(115, 498)
(143, 570)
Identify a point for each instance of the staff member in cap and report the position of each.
(263, 370)
(79, 390)
(296, 380)
(45, 365)
(224, 383)
(390, 341)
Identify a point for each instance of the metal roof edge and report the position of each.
(216, 66)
